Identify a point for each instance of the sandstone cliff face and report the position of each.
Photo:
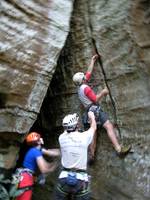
(32, 35)
(120, 31)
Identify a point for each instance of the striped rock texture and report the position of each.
(43, 43)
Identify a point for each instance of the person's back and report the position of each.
(74, 148)
(30, 159)
(73, 179)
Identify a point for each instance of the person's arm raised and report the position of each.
(93, 125)
(91, 66)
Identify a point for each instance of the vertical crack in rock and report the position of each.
(104, 73)
(120, 30)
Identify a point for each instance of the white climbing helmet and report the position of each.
(78, 78)
(70, 122)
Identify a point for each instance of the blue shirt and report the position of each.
(30, 159)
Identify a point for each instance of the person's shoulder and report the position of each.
(83, 86)
(88, 132)
(35, 150)
(32, 149)
(62, 134)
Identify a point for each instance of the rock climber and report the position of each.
(73, 180)
(33, 161)
(90, 101)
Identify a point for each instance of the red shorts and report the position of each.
(27, 180)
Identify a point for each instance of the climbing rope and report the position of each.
(106, 83)
(103, 71)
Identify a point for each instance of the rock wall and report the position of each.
(32, 36)
(119, 31)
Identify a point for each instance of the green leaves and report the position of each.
(4, 194)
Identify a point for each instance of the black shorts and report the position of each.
(100, 116)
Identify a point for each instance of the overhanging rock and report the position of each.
(32, 36)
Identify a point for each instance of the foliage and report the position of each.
(4, 195)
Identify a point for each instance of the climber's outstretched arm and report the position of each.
(91, 66)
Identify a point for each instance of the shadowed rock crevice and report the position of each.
(118, 35)
(31, 51)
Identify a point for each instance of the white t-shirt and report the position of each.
(74, 147)
(83, 98)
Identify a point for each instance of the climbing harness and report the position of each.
(73, 183)
(17, 177)
(71, 179)
(96, 110)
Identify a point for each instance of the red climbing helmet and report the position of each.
(33, 137)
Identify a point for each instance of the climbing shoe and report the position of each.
(124, 150)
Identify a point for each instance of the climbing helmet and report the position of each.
(70, 122)
(78, 78)
(33, 137)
